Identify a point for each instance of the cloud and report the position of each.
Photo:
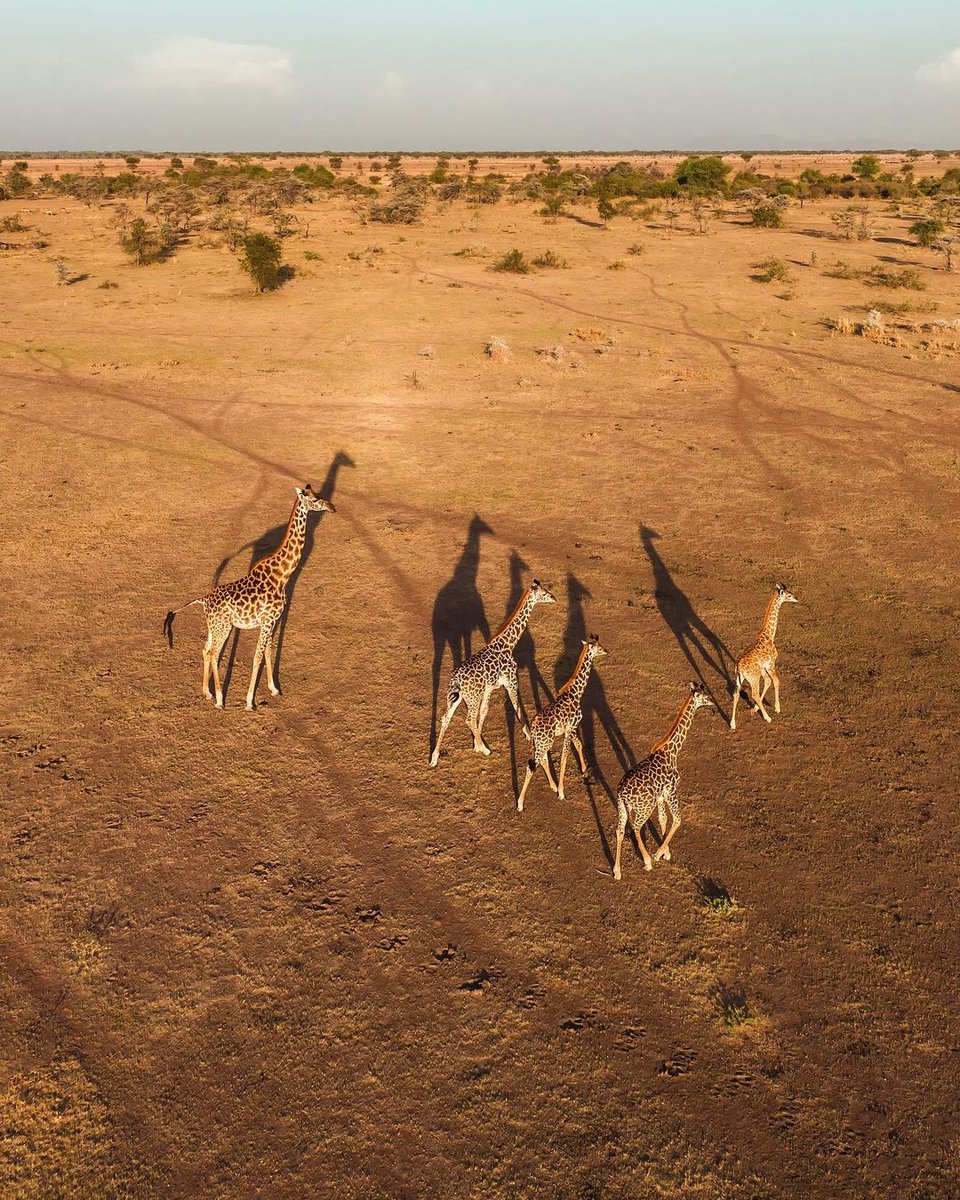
(194, 62)
(942, 71)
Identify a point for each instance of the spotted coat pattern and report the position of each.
(475, 681)
(561, 718)
(653, 784)
(255, 600)
(757, 668)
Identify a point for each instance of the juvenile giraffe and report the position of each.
(561, 718)
(257, 599)
(759, 664)
(494, 666)
(653, 784)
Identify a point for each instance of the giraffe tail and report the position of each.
(168, 620)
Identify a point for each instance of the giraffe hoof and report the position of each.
(274, 691)
(561, 796)
(249, 707)
(218, 704)
(434, 759)
(616, 873)
(648, 866)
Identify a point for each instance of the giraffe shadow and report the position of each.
(598, 716)
(458, 614)
(267, 543)
(703, 649)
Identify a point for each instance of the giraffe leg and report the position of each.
(268, 658)
(483, 748)
(207, 651)
(476, 715)
(737, 685)
(510, 683)
(758, 699)
(531, 767)
(447, 718)
(776, 690)
(621, 826)
(219, 641)
(578, 746)
(257, 660)
(563, 764)
(664, 851)
(545, 763)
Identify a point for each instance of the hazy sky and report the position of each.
(497, 74)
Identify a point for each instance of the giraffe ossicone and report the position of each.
(256, 600)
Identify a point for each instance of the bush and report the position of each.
(703, 175)
(773, 269)
(767, 216)
(513, 261)
(881, 277)
(636, 248)
(260, 257)
(867, 166)
(927, 231)
(549, 259)
(404, 206)
(144, 243)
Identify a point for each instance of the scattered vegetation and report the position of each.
(260, 257)
(513, 261)
(732, 1006)
(145, 243)
(773, 270)
(635, 248)
(927, 230)
(766, 216)
(713, 896)
(497, 349)
(879, 276)
(551, 260)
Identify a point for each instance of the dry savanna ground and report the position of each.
(273, 954)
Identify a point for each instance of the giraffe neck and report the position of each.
(769, 627)
(283, 561)
(670, 746)
(577, 682)
(512, 631)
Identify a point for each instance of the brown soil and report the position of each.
(273, 954)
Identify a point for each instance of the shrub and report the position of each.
(496, 348)
(772, 269)
(549, 259)
(514, 262)
(703, 175)
(404, 206)
(732, 1007)
(312, 256)
(636, 248)
(715, 897)
(145, 244)
(927, 230)
(617, 265)
(766, 216)
(867, 166)
(881, 277)
(260, 257)
(107, 285)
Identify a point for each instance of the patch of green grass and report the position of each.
(715, 897)
(514, 262)
(312, 256)
(773, 269)
(881, 277)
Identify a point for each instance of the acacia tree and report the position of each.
(260, 257)
(867, 166)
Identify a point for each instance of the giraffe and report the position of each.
(759, 664)
(561, 718)
(257, 599)
(653, 784)
(494, 666)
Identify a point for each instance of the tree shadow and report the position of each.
(597, 712)
(267, 543)
(458, 612)
(700, 645)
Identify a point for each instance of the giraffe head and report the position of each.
(594, 649)
(540, 595)
(784, 596)
(701, 697)
(312, 502)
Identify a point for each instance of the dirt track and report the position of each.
(274, 954)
